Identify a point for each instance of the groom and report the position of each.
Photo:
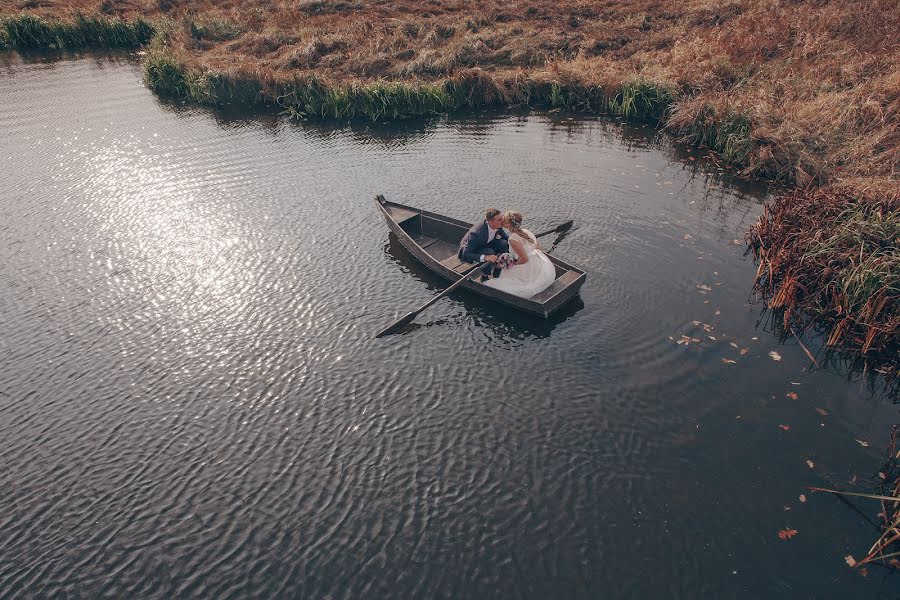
(484, 241)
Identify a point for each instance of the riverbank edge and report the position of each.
(852, 323)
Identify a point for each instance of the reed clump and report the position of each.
(832, 260)
(28, 32)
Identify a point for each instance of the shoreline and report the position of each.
(210, 60)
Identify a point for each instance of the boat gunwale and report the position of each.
(544, 308)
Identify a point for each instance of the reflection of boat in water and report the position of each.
(434, 241)
(503, 322)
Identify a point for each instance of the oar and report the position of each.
(408, 318)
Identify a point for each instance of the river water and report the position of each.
(192, 403)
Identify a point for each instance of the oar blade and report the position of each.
(406, 320)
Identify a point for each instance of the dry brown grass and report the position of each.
(818, 82)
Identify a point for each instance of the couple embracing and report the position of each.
(513, 259)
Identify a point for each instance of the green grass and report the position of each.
(641, 100)
(27, 32)
(863, 246)
(216, 30)
(728, 135)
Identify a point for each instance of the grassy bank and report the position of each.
(804, 93)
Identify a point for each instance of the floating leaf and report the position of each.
(822, 412)
(802, 497)
(785, 427)
(850, 560)
(718, 312)
(787, 534)
(775, 355)
(792, 395)
(862, 443)
(810, 464)
(696, 323)
(728, 361)
(744, 351)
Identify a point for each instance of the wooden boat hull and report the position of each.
(433, 240)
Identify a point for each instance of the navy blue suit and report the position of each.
(475, 243)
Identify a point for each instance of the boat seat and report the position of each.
(456, 264)
(561, 283)
(442, 251)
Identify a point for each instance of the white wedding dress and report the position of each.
(526, 279)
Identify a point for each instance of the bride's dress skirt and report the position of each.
(527, 279)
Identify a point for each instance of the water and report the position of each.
(192, 403)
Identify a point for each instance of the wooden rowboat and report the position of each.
(433, 240)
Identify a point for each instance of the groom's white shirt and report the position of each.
(491, 234)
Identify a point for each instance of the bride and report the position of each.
(533, 271)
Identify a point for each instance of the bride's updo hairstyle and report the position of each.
(512, 220)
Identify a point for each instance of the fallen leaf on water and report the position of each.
(688, 236)
(802, 497)
(707, 327)
(696, 323)
(810, 464)
(712, 337)
(850, 560)
(862, 443)
(882, 475)
(754, 338)
(822, 412)
(853, 480)
(718, 312)
(792, 395)
(744, 351)
(733, 345)
(728, 361)
(785, 427)
(775, 355)
(703, 288)
(787, 508)
(787, 534)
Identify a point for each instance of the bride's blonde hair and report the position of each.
(512, 220)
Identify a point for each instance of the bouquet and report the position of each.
(505, 260)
